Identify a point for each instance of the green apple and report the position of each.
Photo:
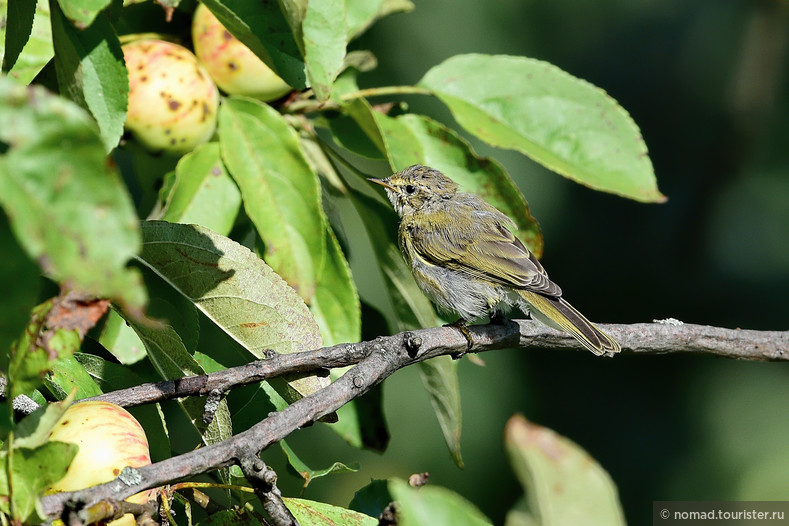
(109, 439)
(173, 102)
(234, 68)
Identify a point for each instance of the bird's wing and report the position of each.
(479, 243)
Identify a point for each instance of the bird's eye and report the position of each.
(410, 189)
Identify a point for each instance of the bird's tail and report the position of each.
(558, 313)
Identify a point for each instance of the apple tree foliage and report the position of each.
(243, 243)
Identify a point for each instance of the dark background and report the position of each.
(705, 81)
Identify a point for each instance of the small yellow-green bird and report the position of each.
(465, 258)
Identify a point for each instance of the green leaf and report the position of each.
(232, 517)
(20, 283)
(109, 376)
(309, 474)
(348, 133)
(31, 471)
(336, 306)
(68, 208)
(68, 375)
(281, 193)
(361, 422)
(17, 24)
(412, 139)
(37, 350)
(372, 499)
(91, 72)
(120, 339)
(434, 506)
(203, 193)
(560, 121)
(37, 49)
(33, 430)
(364, 115)
(312, 513)
(440, 378)
(82, 12)
(519, 515)
(172, 361)
(234, 288)
(320, 31)
(361, 14)
(262, 28)
(563, 484)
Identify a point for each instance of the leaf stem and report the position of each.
(386, 90)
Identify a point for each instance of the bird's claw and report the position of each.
(461, 326)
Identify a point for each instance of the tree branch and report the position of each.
(376, 360)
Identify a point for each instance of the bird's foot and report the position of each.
(461, 326)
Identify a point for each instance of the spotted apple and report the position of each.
(173, 102)
(234, 68)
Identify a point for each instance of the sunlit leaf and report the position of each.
(203, 193)
(34, 429)
(321, 514)
(235, 289)
(309, 474)
(91, 72)
(82, 12)
(68, 375)
(560, 121)
(120, 339)
(281, 193)
(31, 471)
(320, 30)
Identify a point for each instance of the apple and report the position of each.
(234, 68)
(109, 439)
(173, 102)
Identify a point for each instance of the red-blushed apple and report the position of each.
(234, 68)
(109, 439)
(173, 102)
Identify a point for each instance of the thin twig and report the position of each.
(377, 359)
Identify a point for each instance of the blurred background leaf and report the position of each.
(563, 484)
(68, 207)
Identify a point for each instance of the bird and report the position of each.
(465, 258)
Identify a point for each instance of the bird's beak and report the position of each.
(382, 182)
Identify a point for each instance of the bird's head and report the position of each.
(411, 189)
